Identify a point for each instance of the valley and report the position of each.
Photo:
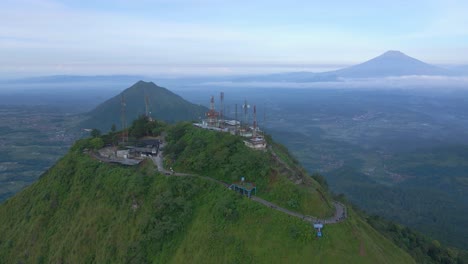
(33, 139)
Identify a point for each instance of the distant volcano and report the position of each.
(391, 63)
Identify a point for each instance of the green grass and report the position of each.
(262, 235)
(82, 211)
(226, 158)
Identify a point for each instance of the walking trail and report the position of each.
(340, 209)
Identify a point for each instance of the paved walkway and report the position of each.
(340, 209)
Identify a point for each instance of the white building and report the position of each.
(256, 143)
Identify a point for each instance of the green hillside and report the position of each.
(86, 211)
(224, 157)
(163, 105)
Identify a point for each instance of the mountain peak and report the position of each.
(143, 83)
(140, 98)
(143, 87)
(390, 63)
(394, 53)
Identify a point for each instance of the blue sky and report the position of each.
(183, 37)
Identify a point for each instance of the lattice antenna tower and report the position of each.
(246, 112)
(212, 106)
(212, 114)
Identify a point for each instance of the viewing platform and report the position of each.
(243, 187)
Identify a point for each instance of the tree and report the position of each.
(139, 127)
(321, 180)
(96, 143)
(95, 133)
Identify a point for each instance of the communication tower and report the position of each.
(246, 107)
(221, 110)
(236, 122)
(147, 108)
(254, 132)
(212, 114)
(123, 119)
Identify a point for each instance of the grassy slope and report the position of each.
(226, 158)
(267, 236)
(81, 211)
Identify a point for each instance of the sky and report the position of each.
(214, 37)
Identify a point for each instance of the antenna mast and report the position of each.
(237, 132)
(254, 121)
(212, 107)
(148, 113)
(124, 120)
(221, 110)
(246, 106)
(212, 114)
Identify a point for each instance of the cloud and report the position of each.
(86, 34)
(39, 35)
(69, 33)
(404, 82)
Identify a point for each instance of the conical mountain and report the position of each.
(162, 104)
(391, 63)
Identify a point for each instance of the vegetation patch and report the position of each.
(226, 158)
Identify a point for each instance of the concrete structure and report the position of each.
(318, 226)
(133, 155)
(205, 125)
(143, 152)
(243, 187)
(145, 148)
(257, 142)
(123, 154)
(232, 123)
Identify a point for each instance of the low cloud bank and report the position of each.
(401, 82)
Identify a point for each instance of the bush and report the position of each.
(321, 180)
(96, 143)
(226, 209)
